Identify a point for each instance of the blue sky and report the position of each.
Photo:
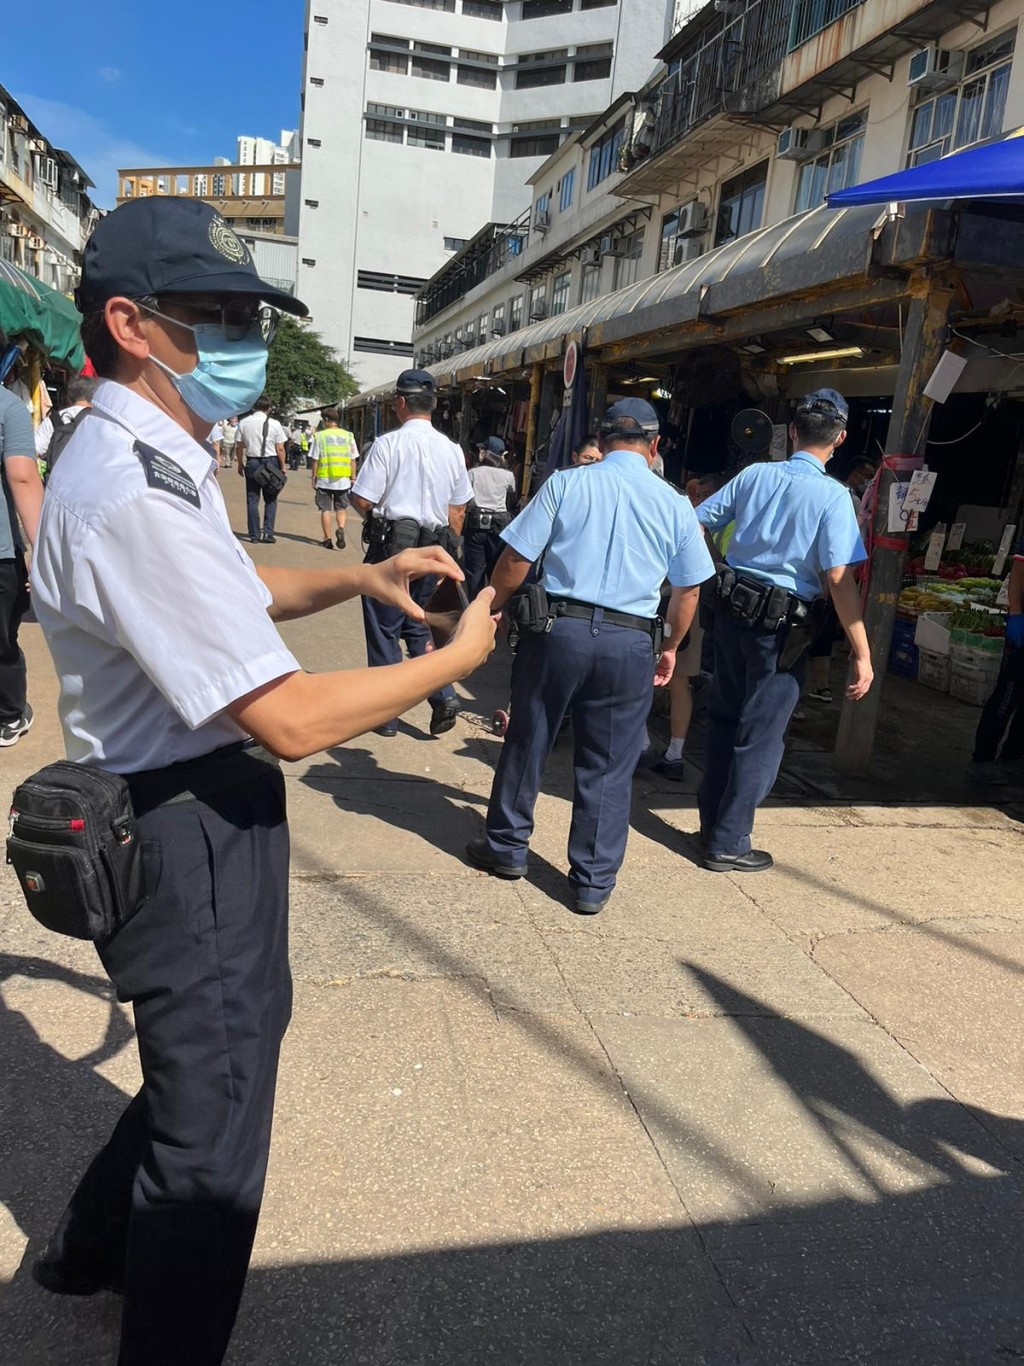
(144, 84)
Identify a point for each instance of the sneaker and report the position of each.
(268, 539)
(443, 717)
(12, 731)
(821, 695)
(327, 545)
(339, 537)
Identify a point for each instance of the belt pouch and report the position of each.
(74, 844)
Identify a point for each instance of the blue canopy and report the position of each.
(994, 171)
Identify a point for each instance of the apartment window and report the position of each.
(604, 155)
(498, 326)
(537, 69)
(542, 208)
(394, 62)
(469, 146)
(590, 283)
(448, 5)
(477, 76)
(627, 266)
(219, 183)
(565, 189)
(597, 4)
(311, 203)
(538, 138)
(593, 63)
(837, 166)
(543, 9)
(971, 112)
(454, 243)
(538, 300)
(426, 63)
(482, 9)
(377, 130)
(377, 345)
(485, 58)
(515, 313)
(560, 292)
(431, 138)
(741, 204)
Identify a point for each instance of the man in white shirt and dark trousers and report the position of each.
(494, 493)
(261, 448)
(412, 489)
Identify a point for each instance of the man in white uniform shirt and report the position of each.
(412, 490)
(260, 446)
(164, 682)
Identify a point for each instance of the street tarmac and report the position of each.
(728, 1122)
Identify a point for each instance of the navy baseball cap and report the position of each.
(631, 416)
(828, 402)
(415, 382)
(164, 245)
(494, 444)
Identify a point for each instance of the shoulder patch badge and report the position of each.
(165, 474)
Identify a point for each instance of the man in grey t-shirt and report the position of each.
(22, 498)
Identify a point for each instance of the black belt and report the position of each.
(758, 602)
(199, 779)
(584, 611)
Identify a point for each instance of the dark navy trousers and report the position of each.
(173, 1199)
(482, 552)
(750, 706)
(1003, 715)
(605, 674)
(253, 493)
(387, 627)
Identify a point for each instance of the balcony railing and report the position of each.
(481, 260)
(811, 16)
(726, 73)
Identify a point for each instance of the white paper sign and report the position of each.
(934, 552)
(956, 535)
(900, 521)
(919, 491)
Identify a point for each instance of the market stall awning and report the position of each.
(994, 171)
(49, 320)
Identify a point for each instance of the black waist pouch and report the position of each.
(74, 845)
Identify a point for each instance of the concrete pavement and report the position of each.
(729, 1121)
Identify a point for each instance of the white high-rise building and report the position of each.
(422, 122)
(263, 152)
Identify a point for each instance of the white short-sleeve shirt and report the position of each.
(155, 616)
(256, 445)
(414, 472)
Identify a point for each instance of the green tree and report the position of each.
(303, 371)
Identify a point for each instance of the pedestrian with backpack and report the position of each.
(53, 434)
(260, 454)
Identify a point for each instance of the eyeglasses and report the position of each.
(235, 318)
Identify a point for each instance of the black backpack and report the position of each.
(63, 430)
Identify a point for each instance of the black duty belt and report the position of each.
(199, 779)
(757, 603)
(584, 611)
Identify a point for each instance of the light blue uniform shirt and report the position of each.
(610, 534)
(792, 523)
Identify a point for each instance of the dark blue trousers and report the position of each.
(387, 627)
(1003, 715)
(173, 1199)
(253, 493)
(604, 673)
(749, 709)
(482, 552)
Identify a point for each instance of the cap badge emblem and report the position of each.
(224, 240)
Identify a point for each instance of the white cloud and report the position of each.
(110, 73)
(96, 147)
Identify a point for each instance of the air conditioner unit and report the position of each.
(590, 256)
(36, 243)
(685, 249)
(799, 144)
(541, 220)
(693, 220)
(612, 245)
(37, 145)
(538, 312)
(935, 68)
(17, 229)
(497, 329)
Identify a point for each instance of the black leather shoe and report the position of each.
(590, 907)
(756, 861)
(389, 730)
(63, 1276)
(269, 540)
(481, 855)
(443, 717)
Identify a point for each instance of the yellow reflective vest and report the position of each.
(336, 452)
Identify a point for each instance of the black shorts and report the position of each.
(332, 500)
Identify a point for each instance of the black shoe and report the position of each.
(12, 731)
(327, 545)
(481, 855)
(254, 540)
(84, 1276)
(268, 539)
(389, 730)
(755, 861)
(443, 717)
(339, 537)
(582, 907)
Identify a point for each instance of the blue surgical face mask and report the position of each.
(229, 375)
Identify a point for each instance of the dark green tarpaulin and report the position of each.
(49, 320)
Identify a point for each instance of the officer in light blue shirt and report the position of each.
(795, 531)
(606, 539)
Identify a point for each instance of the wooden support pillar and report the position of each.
(536, 379)
(924, 340)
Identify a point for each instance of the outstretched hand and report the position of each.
(476, 630)
(388, 582)
(665, 668)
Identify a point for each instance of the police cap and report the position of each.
(827, 402)
(164, 245)
(494, 444)
(631, 417)
(415, 382)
